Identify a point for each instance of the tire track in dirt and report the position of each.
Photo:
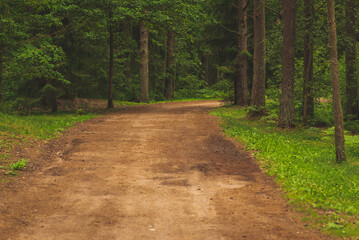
(163, 171)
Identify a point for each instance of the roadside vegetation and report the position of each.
(303, 162)
(17, 131)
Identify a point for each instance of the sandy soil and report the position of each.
(163, 171)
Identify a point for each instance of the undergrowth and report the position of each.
(303, 162)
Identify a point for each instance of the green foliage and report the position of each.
(323, 115)
(225, 88)
(303, 162)
(352, 126)
(40, 126)
(19, 165)
(48, 97)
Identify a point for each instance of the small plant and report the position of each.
(11, 173)
(19, 165)
(80, 112)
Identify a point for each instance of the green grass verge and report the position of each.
(303, 162)
(16, 130)
(39, 126)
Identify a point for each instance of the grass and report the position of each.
(15, 130)
(19, 165)
(303, 162)
(39, 126)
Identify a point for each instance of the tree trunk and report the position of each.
(338, 113)
(308, 101)
(286, 108)
(162, 86)
(110, 70)
(206, 70)
(352, 107)
(144, 70)
(259, 67)
(3, 13)
(241, 86)
(169, 83)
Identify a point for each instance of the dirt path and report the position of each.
(162, 171)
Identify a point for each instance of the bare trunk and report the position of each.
(286, 108)
(162, 85)
(110, 70)
(207, 73)
(338, 113)
(352, 107)
(241, 91)
(3, 13)
(1, 72)
(144, 70)
(308, 101)
(259, 67)
(169, 83)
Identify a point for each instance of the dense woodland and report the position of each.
(300, 54)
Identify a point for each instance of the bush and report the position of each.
(352, 126)
(48, 97)
(226, 89)
(323, 115)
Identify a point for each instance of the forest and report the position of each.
(161, 50)
(291, 64)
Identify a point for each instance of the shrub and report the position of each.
(48, 97)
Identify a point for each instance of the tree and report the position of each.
(144, 69)
(241, 86)
(286, 108)
(308, 102)
(169, 81)
(110, 71)
(3, 11)
(352, 101)
(259, 67)
(338, 113)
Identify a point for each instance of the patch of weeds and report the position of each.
(303, 162)
(19, 165)
(10, 172)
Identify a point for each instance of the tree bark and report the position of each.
(241, 86)
(259, 67)
(169, 82)
(206, 64)
(352, 106)
(1, 73)
(338, 113)
(3, 13)
(308, 101)
(110, 70)
(286, 108)
(144, 69)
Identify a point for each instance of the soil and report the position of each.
(163, 171)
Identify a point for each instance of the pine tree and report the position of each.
(286, 108)
(338, 113)
(259, 65)
(241, 86)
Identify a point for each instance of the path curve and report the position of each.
(163, 171)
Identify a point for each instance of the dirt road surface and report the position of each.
(163, 171)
